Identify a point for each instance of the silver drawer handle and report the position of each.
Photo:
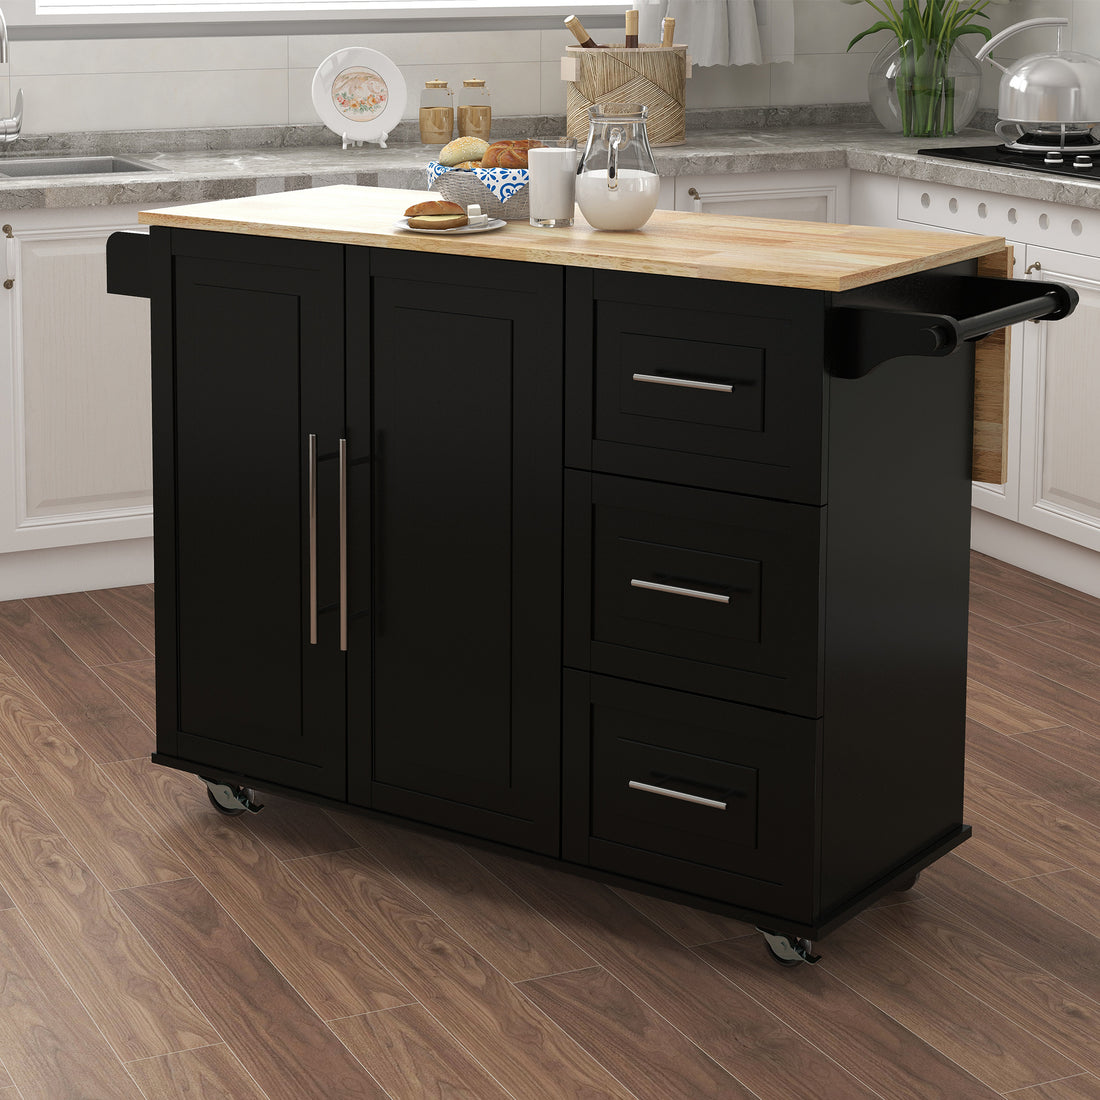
(714, 804)
(689, 383)
(695, 593)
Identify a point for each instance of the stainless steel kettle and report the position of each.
(1051, 93)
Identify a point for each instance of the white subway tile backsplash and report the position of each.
(820, 78)
(148, 55)
(1086, 26)
(163, 83)
(554, 43)
(732, 86)
(827, 26)
(552, 99)
(454, 48)
(300, 111)
(154, 101)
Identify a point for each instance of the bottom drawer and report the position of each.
(696, 794)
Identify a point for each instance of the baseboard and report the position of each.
(130, 561)
(76, 568)
(1035, 551)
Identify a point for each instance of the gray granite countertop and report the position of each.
(194, 175)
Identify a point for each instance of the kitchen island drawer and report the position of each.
(691, 793)
(710, 391)
(708, 592)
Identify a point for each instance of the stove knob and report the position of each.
(1082, 162)
(1052, 158)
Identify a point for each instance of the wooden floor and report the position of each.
(153, 948)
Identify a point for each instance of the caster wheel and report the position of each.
(223, 809)
(230, 798)
(781, 959)
(788, 950)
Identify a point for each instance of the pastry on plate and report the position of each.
(436, 214)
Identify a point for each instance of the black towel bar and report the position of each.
(907, 316)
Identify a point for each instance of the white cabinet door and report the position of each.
(1060, 427)
(813, 195)
(75, 460)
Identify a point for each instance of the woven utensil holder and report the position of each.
(651, 75)
(464, 188)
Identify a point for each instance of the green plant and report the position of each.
(926, 33)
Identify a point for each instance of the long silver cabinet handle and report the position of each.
(687, 383)
(712, 803)
(343, 544)
(313, 540)
(694, 593)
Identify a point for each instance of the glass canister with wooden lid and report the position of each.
(437, 113)
(475, 115)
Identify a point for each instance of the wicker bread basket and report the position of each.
(462, 186)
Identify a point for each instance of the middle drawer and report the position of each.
(705, 591)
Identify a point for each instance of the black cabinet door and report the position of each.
(253, 367)
(467, 536)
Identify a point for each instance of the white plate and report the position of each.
(493, 223)
(359, 93)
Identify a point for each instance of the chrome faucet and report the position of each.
(9, 127)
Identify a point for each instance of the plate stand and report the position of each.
(381, 140)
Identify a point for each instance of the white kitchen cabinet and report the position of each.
(1053, 485)
(75, 459)
(1059, 472)
(813, 195)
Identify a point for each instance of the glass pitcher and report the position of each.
(617, 181)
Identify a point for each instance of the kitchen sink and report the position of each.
(70, 166)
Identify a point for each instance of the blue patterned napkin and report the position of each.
(502, 182)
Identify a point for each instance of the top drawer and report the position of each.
(715, 385)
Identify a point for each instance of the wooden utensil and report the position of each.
(580, 34)
(632, 29)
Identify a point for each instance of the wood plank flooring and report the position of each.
(151, 948)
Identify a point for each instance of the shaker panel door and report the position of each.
(467, 460)
(258, 368)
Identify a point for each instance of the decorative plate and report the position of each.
(493, 223)
(359, 94)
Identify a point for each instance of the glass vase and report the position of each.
(921, 89)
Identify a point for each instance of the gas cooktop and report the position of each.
(1068, 162)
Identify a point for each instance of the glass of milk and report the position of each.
(551, 175)
(617, 182)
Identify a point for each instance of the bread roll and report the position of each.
(434, 206)
(463, 148)
(438, 221)
(508, 154)
(469, 164)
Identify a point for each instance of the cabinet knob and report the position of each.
(8, 284)
(1027, 271)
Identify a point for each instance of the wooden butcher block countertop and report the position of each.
(807, 255)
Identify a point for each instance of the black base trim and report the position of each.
(812, 931)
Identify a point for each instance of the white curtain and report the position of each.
(725, 32)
